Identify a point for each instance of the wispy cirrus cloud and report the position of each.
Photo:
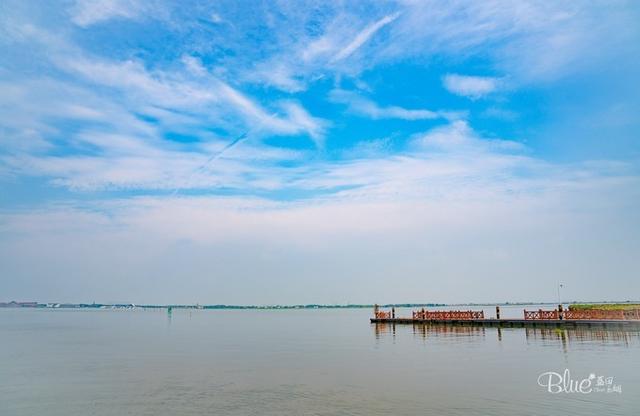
(108, 124)
(527, 41)
(85, 13)
(205, 92)
(122, 114)
(360, 105)
(363, 36)
(126, 162)
(311, 58)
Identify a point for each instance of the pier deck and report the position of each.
(516, 323)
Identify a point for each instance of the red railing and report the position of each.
(584, 314)
(447, 315)
(383, 315)
(540, 315)
(632, 314)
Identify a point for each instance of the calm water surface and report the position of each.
(298, 362)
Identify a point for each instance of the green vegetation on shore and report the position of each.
(605, 306)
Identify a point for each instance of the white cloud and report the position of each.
(111, 147)
(127, 161)
(304, 58)
(88, 12)
(201, 94)
(196, 91)
(372, 148)
(305, 122)
(529, 41)
(363, 37)
(280, 75)
(216, 18)
(470, 86)
(446, 161)
(297, 120)
(447, 158)
(365, 107)
(122, 163)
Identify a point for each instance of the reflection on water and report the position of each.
(562, 336)
(579, 334)
(590, 336)
(424, 329)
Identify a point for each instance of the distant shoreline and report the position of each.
(14, 304)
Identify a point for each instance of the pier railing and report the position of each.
(632, 314)
(541, 315)
(587, 314)
(383, 315)
(448, 315)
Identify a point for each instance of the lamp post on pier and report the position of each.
(560, 286)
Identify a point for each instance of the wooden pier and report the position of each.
(557, 318)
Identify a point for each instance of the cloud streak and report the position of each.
(359, 105)
(89, 12)
(363, 36)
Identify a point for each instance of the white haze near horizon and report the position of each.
(251, 251)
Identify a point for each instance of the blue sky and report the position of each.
(285, 152)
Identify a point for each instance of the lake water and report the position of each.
(299, 362)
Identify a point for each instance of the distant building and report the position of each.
(14, 304)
